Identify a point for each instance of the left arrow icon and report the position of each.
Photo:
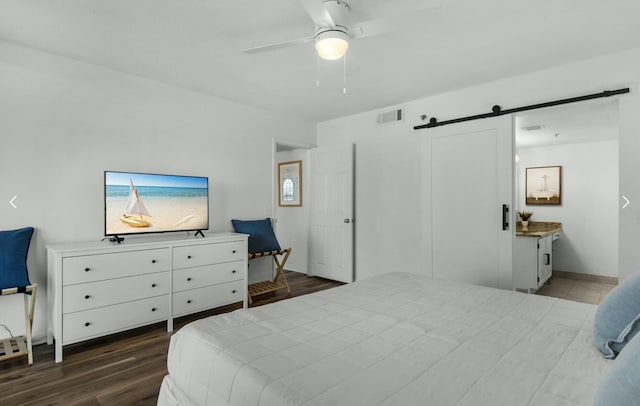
(11, 202)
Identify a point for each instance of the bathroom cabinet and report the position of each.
(532, 262)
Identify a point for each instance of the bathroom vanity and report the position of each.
(533, 254)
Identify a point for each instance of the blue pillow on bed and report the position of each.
(14, 247)
(618, 317)
(621, 385)
(261, 236)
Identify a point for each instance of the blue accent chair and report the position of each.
(14, 279)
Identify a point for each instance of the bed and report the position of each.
(394, 339)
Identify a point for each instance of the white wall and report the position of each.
(589, 209)
(292, 227)
(388, 210)
(63, 122)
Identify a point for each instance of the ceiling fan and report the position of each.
(333, 29)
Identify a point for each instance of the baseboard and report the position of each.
(586, 277)
(295, 269)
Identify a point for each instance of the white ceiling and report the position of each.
(595, 120)
(197, 44)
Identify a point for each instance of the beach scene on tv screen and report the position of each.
(139, 203)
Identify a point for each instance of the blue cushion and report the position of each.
(618, 317)
(621, 385)
(14, 247)
(261, 236)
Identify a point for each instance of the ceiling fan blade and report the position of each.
(278, 45)
(417, 18)
(371, 27)
(318, 12)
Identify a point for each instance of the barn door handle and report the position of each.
(505, 216)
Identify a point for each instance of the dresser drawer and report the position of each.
(190, 301)
(86, 296)
(91, 268)
(110, 319)
(198, 277)
(206, 254)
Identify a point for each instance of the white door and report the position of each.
(331, 237)
(469, 183)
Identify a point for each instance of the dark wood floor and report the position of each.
(121, 369)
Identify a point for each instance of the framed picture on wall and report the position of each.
(290, 183)
(544, 185)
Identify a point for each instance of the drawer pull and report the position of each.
(87, 296)
(87, 324)
(153, 261)
(233, 252)
(233, 291)
(153, 285)
(234, 271)
(188, 256)
(153, 309)
(189, 301)
(189, 279)
(87, 269)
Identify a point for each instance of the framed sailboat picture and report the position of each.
(290, 183)
(543, 185)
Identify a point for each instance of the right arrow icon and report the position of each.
(626, 202)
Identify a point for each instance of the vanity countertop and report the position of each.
(538, 229)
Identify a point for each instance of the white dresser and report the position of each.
(99, 288)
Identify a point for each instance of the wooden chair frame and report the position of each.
(260, 288)
(21, 345)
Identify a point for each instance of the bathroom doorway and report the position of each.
(291, 222)
(581, 138)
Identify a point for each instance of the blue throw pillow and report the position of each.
(14, 247)
(621, 385)
(618, 317)
(261, 236)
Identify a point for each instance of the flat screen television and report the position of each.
(138, 203)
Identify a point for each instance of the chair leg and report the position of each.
(260, 288)
(29, 307)
(280, 270)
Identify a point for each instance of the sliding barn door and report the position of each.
(468, 186)
(331, 239)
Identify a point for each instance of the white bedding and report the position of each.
(395, 339)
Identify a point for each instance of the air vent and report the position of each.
(533, 127)
(389, 117)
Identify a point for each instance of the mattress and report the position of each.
(395, 339)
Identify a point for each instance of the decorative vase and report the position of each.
(525, 225)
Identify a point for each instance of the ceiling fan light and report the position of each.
(332, 45)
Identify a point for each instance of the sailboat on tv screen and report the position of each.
(135, 214)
